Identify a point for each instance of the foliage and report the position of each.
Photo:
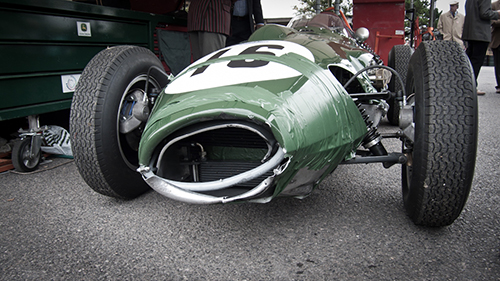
(422, 10)
(308, 7)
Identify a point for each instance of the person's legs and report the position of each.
(203, 43)
(195, 45)
(496, 61)
(476, 51)
(240, 30)
(211, 42)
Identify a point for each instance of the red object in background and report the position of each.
(384, 19)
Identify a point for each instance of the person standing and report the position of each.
(246, 15)
(477, 32)
(495, 44)
(451, 24)
(209, 23)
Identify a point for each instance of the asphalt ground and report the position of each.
(353, 227)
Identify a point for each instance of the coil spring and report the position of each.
(372, 139)
(376, 57)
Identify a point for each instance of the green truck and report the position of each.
(45, 45)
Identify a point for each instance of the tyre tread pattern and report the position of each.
(449, 140)
(85, 120)
(399, 58)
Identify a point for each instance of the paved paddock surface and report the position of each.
(53, 226)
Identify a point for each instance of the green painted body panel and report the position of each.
(309, 113)
(329, 48)
(39, 43)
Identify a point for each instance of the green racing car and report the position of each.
(276, 115)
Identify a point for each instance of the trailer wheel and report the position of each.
(104, 131)
(399, 58)
(437, 179)
(24, 158)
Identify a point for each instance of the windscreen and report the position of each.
(324, 20)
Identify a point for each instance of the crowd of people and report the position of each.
(475, 32)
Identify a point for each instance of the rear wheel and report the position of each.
(438, 177)
(104, 122)
(399, 58)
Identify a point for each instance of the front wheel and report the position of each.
(437, 179)
(108, 114)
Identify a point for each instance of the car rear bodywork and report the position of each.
(253, 121)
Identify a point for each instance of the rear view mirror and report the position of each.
(362, 34)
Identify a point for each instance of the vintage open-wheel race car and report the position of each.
(276, 115)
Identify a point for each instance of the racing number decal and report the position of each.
(243, 63)
(238, 69)
(203, 68)
(254, 50)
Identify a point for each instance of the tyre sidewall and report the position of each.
(399, 58)
(128, 66)
(444, 148)
(94, 119)
(413, 196)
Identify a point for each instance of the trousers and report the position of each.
(203, 43)
(476, 51)
(496, 61)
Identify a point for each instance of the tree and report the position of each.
(422, 7)
(308, 7)
(422, 10)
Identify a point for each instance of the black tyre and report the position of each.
(399, 58)
(106, 153)
(24, 157)
(438, 177)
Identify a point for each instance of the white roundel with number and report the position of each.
(234, 71)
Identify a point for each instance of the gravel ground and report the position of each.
(353, 227)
